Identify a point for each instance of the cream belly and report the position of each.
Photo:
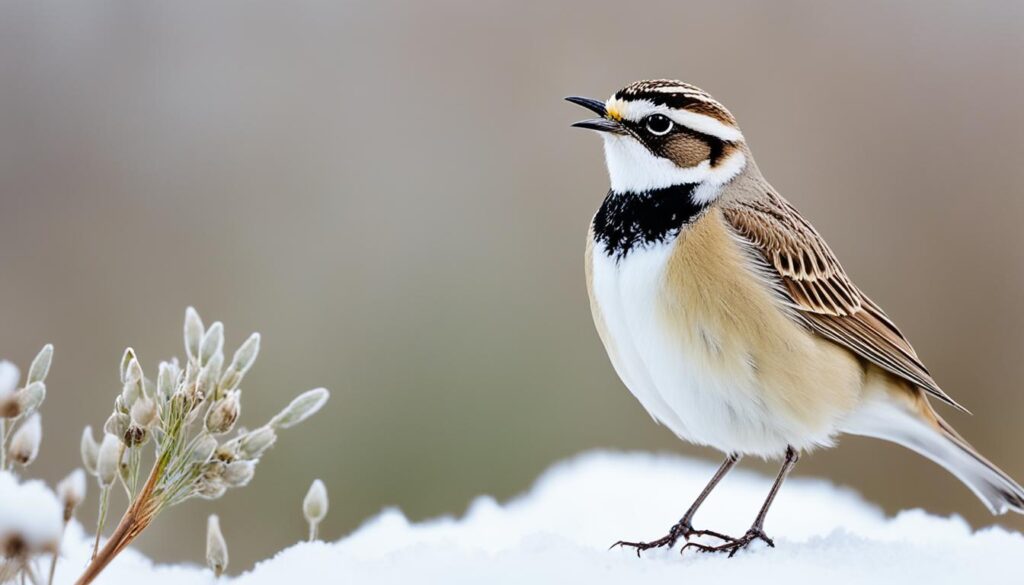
(709, 353)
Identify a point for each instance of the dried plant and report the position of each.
(31, 516)
(188, 414)
(20, 428)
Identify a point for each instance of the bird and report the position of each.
(730, 319)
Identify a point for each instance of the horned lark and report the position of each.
(730, 319)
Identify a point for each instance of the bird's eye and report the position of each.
(658, 125)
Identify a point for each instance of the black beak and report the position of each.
(602, 124)
(592, 105)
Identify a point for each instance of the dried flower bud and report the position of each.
(24, 445)
(255, 443)
(227, 452)
(143, 413)
(223, 414)
(241, 362)
(210, 490)
(126, 358)
(71, 492)
(134, 371)
(301, 408)
(210, 484)
(314, 506)
(148, 388)
(40, 365)
(239, 473)
(216, 547)
(130, 392)
(108, 462)
(167, 379)
(117, 424)
(206, 383)
(204, 448)
(90, 450)
(9, 376)
(193, 333)
(212, 344)
(30, 397)
(135, 436)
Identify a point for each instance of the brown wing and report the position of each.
(824, 296)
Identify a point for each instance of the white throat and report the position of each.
(631, 167)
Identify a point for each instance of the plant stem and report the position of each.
(137, 517)
(104, 500)
(27, 572)
(56, 553)
(313, 529)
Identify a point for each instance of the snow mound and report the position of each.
(560, 531)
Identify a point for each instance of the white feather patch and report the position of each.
(673, 380)
(632, 167)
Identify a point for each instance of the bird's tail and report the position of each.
(906, 418)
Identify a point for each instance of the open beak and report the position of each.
(602, 124)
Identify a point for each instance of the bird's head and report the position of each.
(663, 133)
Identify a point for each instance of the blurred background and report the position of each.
(390, 192)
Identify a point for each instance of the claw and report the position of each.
(733, 545)
(678, 531)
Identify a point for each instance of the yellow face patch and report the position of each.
(613, 110)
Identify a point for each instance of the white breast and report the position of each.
(674, 382)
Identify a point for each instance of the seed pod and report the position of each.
(117, 424)
(206, 383)
(167, 379)
(90, 450)
(204, 448)
(71, 492)
(24, 445)
(193, 334)
(135, 436)
(40, 365)
(223, 414)
(314, 506)
(212, 343)
(9, 376)
(130, 392)
(143, 413)
(109, 459)
(30, 397)
(227, 452)
(255, 443)
(239, 473)
(126, 358)
(134, 371)
(216, 547)
(210, 485)
(241, 362)
(301, 408)
(210, 490)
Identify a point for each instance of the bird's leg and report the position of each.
(684, 528)
(756, 531)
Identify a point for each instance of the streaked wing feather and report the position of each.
(821, 292)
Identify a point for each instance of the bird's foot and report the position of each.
(681, 530)
(733, 545)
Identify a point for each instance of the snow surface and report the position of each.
(559, 532)
(29, 512)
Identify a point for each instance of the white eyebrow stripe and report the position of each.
(636, 110)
